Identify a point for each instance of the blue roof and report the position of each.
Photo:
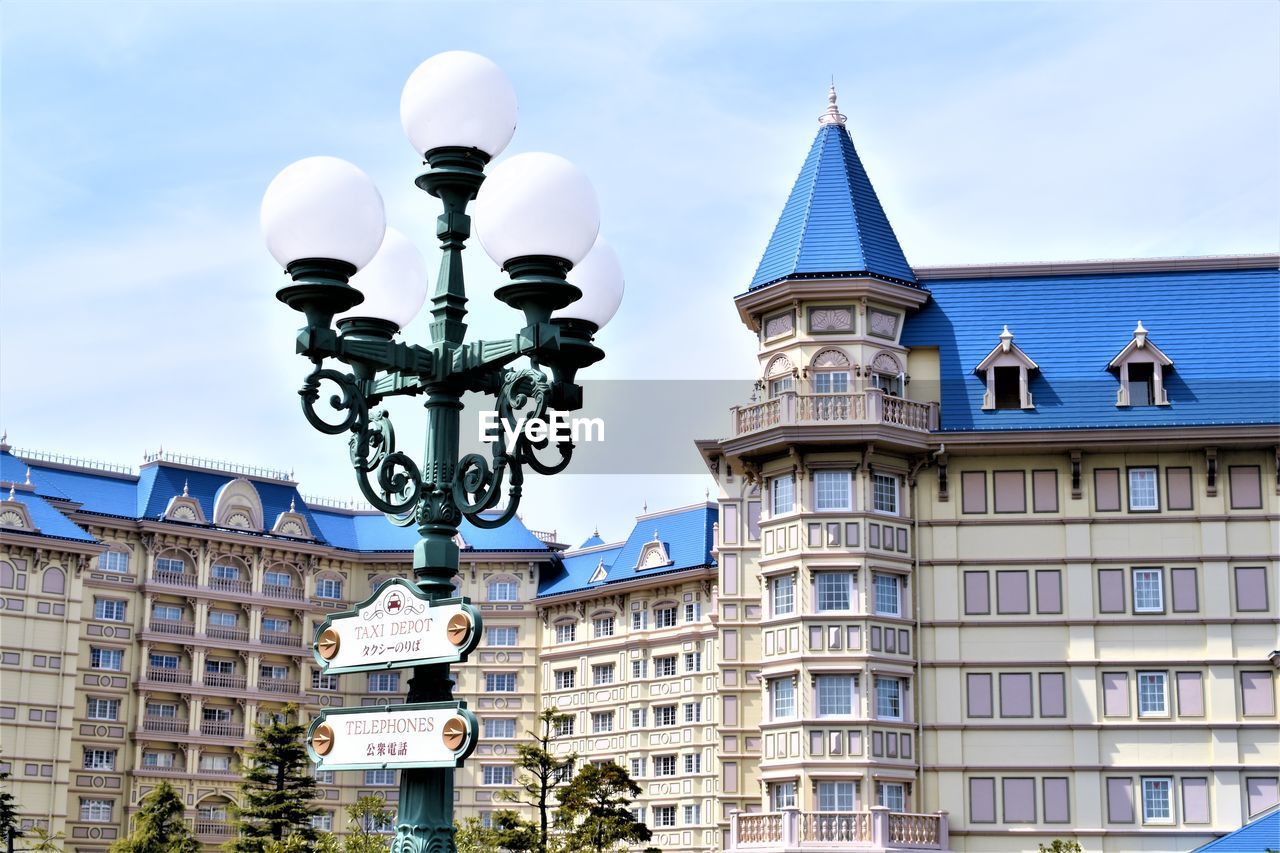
(147, 496)
(687, 535)
(49, 521)
(1262, 834)
(1073, 325)
(592, 541)
(833, 224)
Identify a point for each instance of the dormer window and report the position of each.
(1007, 369)
(885, 372)
(1140, 366)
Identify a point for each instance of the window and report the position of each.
(978, 694)
(892, 795)
(1257, 694)
(1144, 493)
(664, 667)
(886, 594)
(112, 659)
(322, 821)
(167, 612)
(888, 698)
(782, 692)
(778, 387)
(496, 774)
(664, 617)
(320, 681)
(602, 627)
(157, 760)
(103, 709)
(1142, 384)
(330, 588)
(884, 493)
(664, 765)
(1152, 694)
(832, 490)
(499, 728)
(225, 573)
(693, 661)
(638, 716)
(692, 612)
(500, 682)
(99, 759)
(783, 491)
(566, 632)
(782, 595)
(1246, 486)
(500, 635)
(782, 795)
(563, 725)
(210, 763)
(1008, 381)
(223, 618)
(831, 382)
(1251, 588)
(162, 710)
(161, 660)
(324, 777)
(693, 712)
(504, 590)
(639, 620)
(601, 722)
(277, 578)
(211, 714)
(212, 812)
(637, 766)
(382, 776)
(114, 561)
(1013, 594)
(1015, 694)
(96, 811)
(384, 682)
(1157, 804)
(834, 695)
(1148, 591)
(602, 673)
(836, 796)
(664, 816)
(276, 625)
(664, 716)
(110, 609)
(638, 668)
(692, 815)
(834, 590)
(170, 566)
(377, 823)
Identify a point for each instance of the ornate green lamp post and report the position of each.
(538, 218)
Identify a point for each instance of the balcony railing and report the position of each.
(213, 728)
(277, 685)
(183, 579)
(217, 771)
(275, 590)
(173, 626)
(218, 679)
(165, 675)
(219, 632)
(877, 829)
(213, 828)
(869, 407)
(231, 585)
(279, 638)
(166, 725)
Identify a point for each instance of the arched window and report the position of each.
(54, 581)
(885, 373)
(829, 372)
(780, 374)
(7, 578)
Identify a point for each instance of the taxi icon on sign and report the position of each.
(395, 601)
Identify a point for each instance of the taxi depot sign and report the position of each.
(397, 626)
(424, 734)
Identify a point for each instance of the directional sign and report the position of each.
(425, 734)
(397, 626)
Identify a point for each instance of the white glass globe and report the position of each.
(537, 204)
(323, 207)
(394, 283)
(599, 277)
(458, 99)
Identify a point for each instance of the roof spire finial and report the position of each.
(292, 505)
(185, 493)
(1006, 338)
(28, 482)
(1140, 335)
(833, 114)
(11, 496)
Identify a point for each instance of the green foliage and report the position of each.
(366, 812)
(539, 772)
(1061, 845)
(8, 814)
(160, 827)
(471, 836)
(325, 842)
(595, 809)
(277, 790)
(44, 842)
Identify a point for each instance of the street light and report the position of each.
(538, 218)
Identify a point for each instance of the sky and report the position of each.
(137, 305)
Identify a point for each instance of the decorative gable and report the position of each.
(1007, 368)
(237, 505)
(654, 554)
(183, 507)
(14, 514)
(599, 574)
(292, 523)
(1141, 367)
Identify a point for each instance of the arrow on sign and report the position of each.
(425, 734)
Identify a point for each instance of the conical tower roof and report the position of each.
(833, 224)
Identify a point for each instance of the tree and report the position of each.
(471, 836)
(364, 818)
(278, 788)
(160, 827)
(46, 842)
(595, 809)
(1061, 845)
(9, 830)
(539, 773)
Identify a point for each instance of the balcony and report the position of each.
(276, 638)
(173, 626)
(165, 675)
(218, 632)
(213, 828)
(165, 725)
(281, 591)
(231, 585)
(868, 408)
(277, 685)
(213, 728)
(218, 679)
(186, 580)
(877, 829)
